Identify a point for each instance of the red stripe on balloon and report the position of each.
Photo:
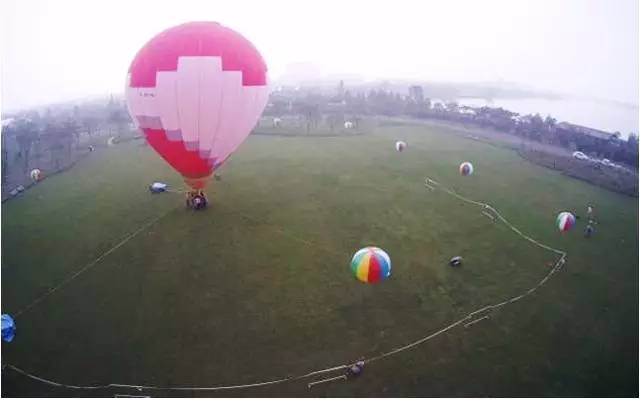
(187, 163)
(374, 269)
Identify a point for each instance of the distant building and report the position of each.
(10, 149)
(416, 94)
(340, 93)
(336, 106)
(9, 141)
(467, 111)
(585, 138)
(570, 128)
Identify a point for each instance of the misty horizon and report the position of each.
(56, 51)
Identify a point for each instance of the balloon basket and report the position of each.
(196, 200)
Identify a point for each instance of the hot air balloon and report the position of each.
(196, 90)
(8, 328)
(36, 174)
(466, 168)
(400, 146)
(370, 265)
(565, 221)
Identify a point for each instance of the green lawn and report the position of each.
(258, 286)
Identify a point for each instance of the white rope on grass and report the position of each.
(470, 319)
(169, 190)
(505, 221)
(90, 264)
(49, 382)
(161, 388)
(218, 388)
(340, 377)
(469, 324)
(487, 214)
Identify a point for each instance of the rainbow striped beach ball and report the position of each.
(565, 221)
(370, 265)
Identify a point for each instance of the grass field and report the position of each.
(258, 286)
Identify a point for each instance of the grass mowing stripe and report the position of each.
(91, 264)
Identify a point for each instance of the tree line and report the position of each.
(52, 136)
(314, 105)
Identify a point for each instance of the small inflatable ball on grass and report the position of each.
(36, 174)
(466, 168)
(371, 265)
(8, 328)
(400, 146)
(456, 261)
(565, 221)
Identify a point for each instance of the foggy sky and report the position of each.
(58, 50)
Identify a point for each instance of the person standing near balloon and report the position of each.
(590, 216)
(588, 231)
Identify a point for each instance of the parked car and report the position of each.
(580, 155)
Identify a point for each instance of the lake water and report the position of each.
(605, 116)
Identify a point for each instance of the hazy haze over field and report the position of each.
(59, 50)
